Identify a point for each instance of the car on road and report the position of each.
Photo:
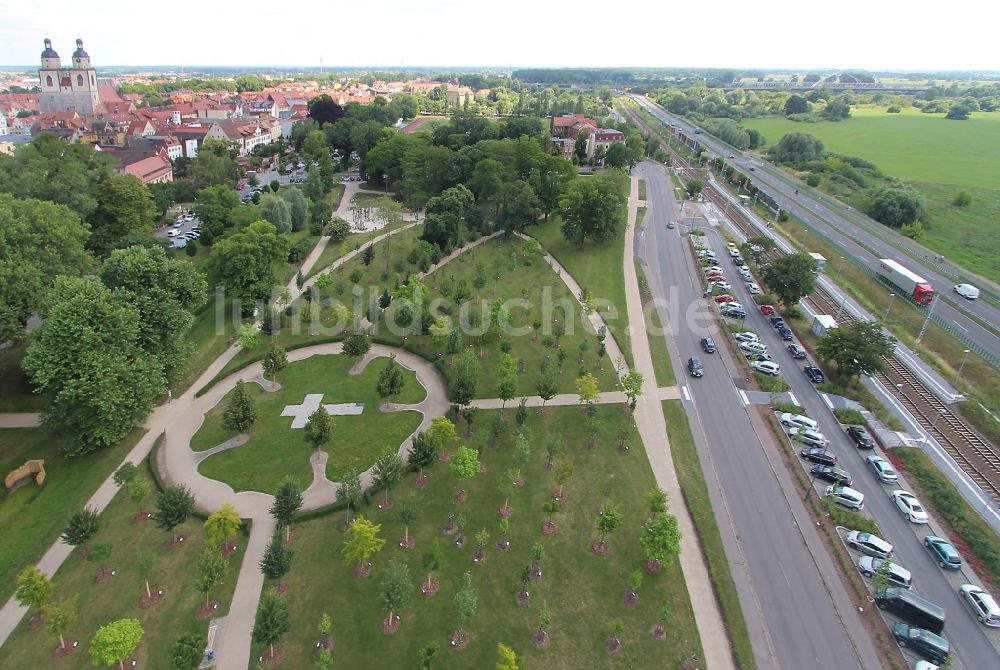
(927, 644)
(944, 552)
(984, 607)
(814, 373)
(671, 224)
(777, 322)
(967, 291)
(819, 455)
(860, 437)
(832, 473)
(846, 497)
(189, 217)
(734, 252)
(708, 345)
(785, 333)
(695, 367)
(697, 131)
(725, 297)
(753, 288)
(738, 260)
(868, 543)
(746, 274)
(767, 310)
(747, 336)
(796, 351)
(909, 506)
(882, 469)
(766, 368)
(898, 575)
(810, 438)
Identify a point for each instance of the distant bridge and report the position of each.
(822, 83)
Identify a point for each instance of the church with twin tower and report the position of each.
(68, 89)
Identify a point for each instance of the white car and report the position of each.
(766, 368)
(982, 604)
(753, 288)
(723, 285)
(747, 336)
(898, 575)
(189, 217)
(909, 506)
(714, 268)
(967, 291)
(178, 223)
(172, 232)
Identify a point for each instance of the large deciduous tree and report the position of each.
(214, 205)
(592, 210)
(124, 205)
(797, 148)
(395, 588)
(244, 260)
(215, 164)
(796, 104)
(791, 277)
(518, 206)
(87, 358)
(896, 205)
(856, 348)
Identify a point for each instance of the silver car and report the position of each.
(882, 469)
(869, 544)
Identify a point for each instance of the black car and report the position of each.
(694, 367)
(814, 373)
(737, 260)
(708, 344)
(832, 474)
(796, 351)
(819, 455)
(777, 322)
(860, 437)
(786, 333)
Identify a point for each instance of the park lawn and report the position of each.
(584, 592)
(597, 267)
(695, 492)
(32, 518)
(117, 598)
(15, 390)
(912, 145)
(275, 450)
(332, 250)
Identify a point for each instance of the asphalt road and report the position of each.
(797, 610)
(848, 228)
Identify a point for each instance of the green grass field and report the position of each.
(275, 450)
(100, 603)
(584, 592)
(912, 145)
(15, 390)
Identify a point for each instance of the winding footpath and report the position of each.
(179, 420)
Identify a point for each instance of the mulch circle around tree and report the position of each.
(631, 599)
(282, 588)
(653, 567)
(482, 467)
(461, 496)
(385, 505)
(506, 511)
(390, 626)
(289, 539)
(459, 640)
(540, 639)
(658, 632)
(228, 549)
(519, 482)
(420, 481)
(175, 543)
(36, 622)
(449, 528)
(460, 540)
(60, 652)
(558, 496)
(82, 552)
(548, 466)
(429, 589)
(325, 642)
(536, 572)
(407, 543)
(444, 457)
(599, 547)
(479, 556)
(207, 611)
(104, 575)
(613, 645)
(141, 516)
(273, 661)
(363, 571)
(523, 598)
(147, 601)
(549, 528)
(503, 544)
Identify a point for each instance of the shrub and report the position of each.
(893, 109)
(191, 250)
(780, 406)
(813, 179)
(772, 384)
(764, 299)
(962, 199)
(848, 519)
(849, 416)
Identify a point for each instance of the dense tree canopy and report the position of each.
(857, 348)
(896, 205)
(797, 147)
(791, 277)
(592, 210)
(244, 260)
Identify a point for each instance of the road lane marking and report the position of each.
(826, 399)
(795, 401)
(743, 396)
(684, 390)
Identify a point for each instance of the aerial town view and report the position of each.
(452, 336)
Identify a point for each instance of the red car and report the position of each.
(725, 297)
(767, 310)
(716, 277)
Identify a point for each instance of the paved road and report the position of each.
(847, 229)
(798, 612)
(968, 638)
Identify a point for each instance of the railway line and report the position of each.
(977, 457)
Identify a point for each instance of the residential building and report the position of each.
(603, 137)
(153, 170)
(570, 125)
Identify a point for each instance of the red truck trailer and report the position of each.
(913, 284)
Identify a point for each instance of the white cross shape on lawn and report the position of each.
(311, 403)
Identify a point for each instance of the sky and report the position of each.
(800, 35)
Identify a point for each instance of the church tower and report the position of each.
(68, 88)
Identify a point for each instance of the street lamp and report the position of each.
(892, 296)
(940, 413)
(923, 328)
(960, 368)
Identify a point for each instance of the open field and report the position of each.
(584, 592)
(100, 603)
(912, 145)
(275, 450)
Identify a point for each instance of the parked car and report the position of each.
(708, 345)
(172, 232)
(814, 373)
(797, 421)
(777, 322)
(179, 222)
(725, 297)
(927, 644)
(753, 288)
(695, 367)
(785, 333)
(944, 552)
(722, 285)
(747, 336)
(869, 544)
(909, 506)
(754, 347)
(810, 438)
(757, 357)
(766, 368)
(882, 469)
(898, 575)
(796, 351)
(713, 268)
(734, 312)
(846, 497)
(832, 473)
(767, 310)
(819, 455)
(860, 437)
(738, 260)
(982, 604)
(734, 252)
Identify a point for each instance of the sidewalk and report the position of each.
(653, 430)
(20, 420)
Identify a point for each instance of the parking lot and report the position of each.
(184, 229)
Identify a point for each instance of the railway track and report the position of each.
(974, 454)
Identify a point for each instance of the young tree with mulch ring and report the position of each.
(271, 623)
(124, 475)
(524, 593)
(113, 643)
(356, 345)
(138, 490)
(659, 631)
(469, 415)
(241, 411)
(522, 454)
(58, 618)
(563, 473)
(324, 628)
(388, 470)
(553, 447)
(537, 555)
(173, 507)
(274, 361)
(422, 453)
(634, 582)
(541, 637)
(479, 555)
(551, 508)
(81, 529)
(187, 652)
(661, 538)
(503, 544)
(444, 432)
(349, 492)
(521, 415)
(277, 560)
(608, 521)
(508, 659)
(465, 608)
(546, 386)
(408, 513)
(431, 561)
(361, 543)
(613, 643)
(145, 568)
(464, 465)
(394, 592)
(287, 501)
(390, 380)
(211, 569)
(34, 591)
(506, 486)
(221, 526)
